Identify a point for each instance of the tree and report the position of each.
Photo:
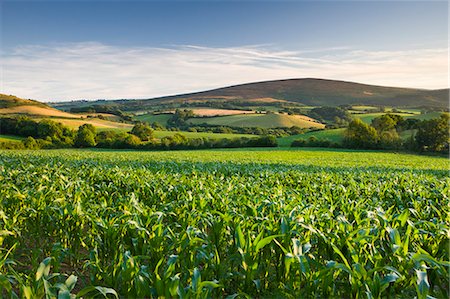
(360, 135)
(143, 131)
(433, 134)
(85, 136)
(384, 123)
(386, 126)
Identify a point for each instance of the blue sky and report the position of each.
(136, 49)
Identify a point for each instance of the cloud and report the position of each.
(93, 70)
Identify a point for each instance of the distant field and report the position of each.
(96, 122)
(363, 107)
(108, 116)
(218, 112)
(427, 115)
(150, 118)
(37, 110)
(161, 134)
(335, 135)
(10, 138)
(260, 120)
(368, 117)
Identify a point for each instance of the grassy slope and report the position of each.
(259, 120)
(334, 135)
(7, 101)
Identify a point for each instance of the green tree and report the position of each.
(433, 134)
(384, 123)
(85, 136)
(360, 135)
(143, 131)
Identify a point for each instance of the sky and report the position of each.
(69, 50)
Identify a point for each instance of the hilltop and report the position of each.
(308, 91)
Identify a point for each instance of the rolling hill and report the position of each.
(319, 92)
(308, 91)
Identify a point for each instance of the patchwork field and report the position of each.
(224, 223)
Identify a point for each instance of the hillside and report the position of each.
(308, 91)
(14, 105)
(9, 101)
(320, 92)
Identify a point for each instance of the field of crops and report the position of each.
(225, 223)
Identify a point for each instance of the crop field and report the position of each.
(223, 224)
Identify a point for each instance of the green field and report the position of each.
(161, 134)
(270, 120)
(368, 117)
(151, 118)
(240, 223)
(9, 138)
(334, 135)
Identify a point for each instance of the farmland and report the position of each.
(218, 223)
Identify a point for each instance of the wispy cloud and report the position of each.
(94, 70)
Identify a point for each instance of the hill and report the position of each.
(308, 91)
(10, 104)
(9, 101)
(320, 92)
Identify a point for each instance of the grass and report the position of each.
(335, 135)
(259, 223)
(270, 120)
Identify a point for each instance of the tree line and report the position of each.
(384, 133)
(50, 134)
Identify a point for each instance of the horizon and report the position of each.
(235, 85)
(66, 51)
